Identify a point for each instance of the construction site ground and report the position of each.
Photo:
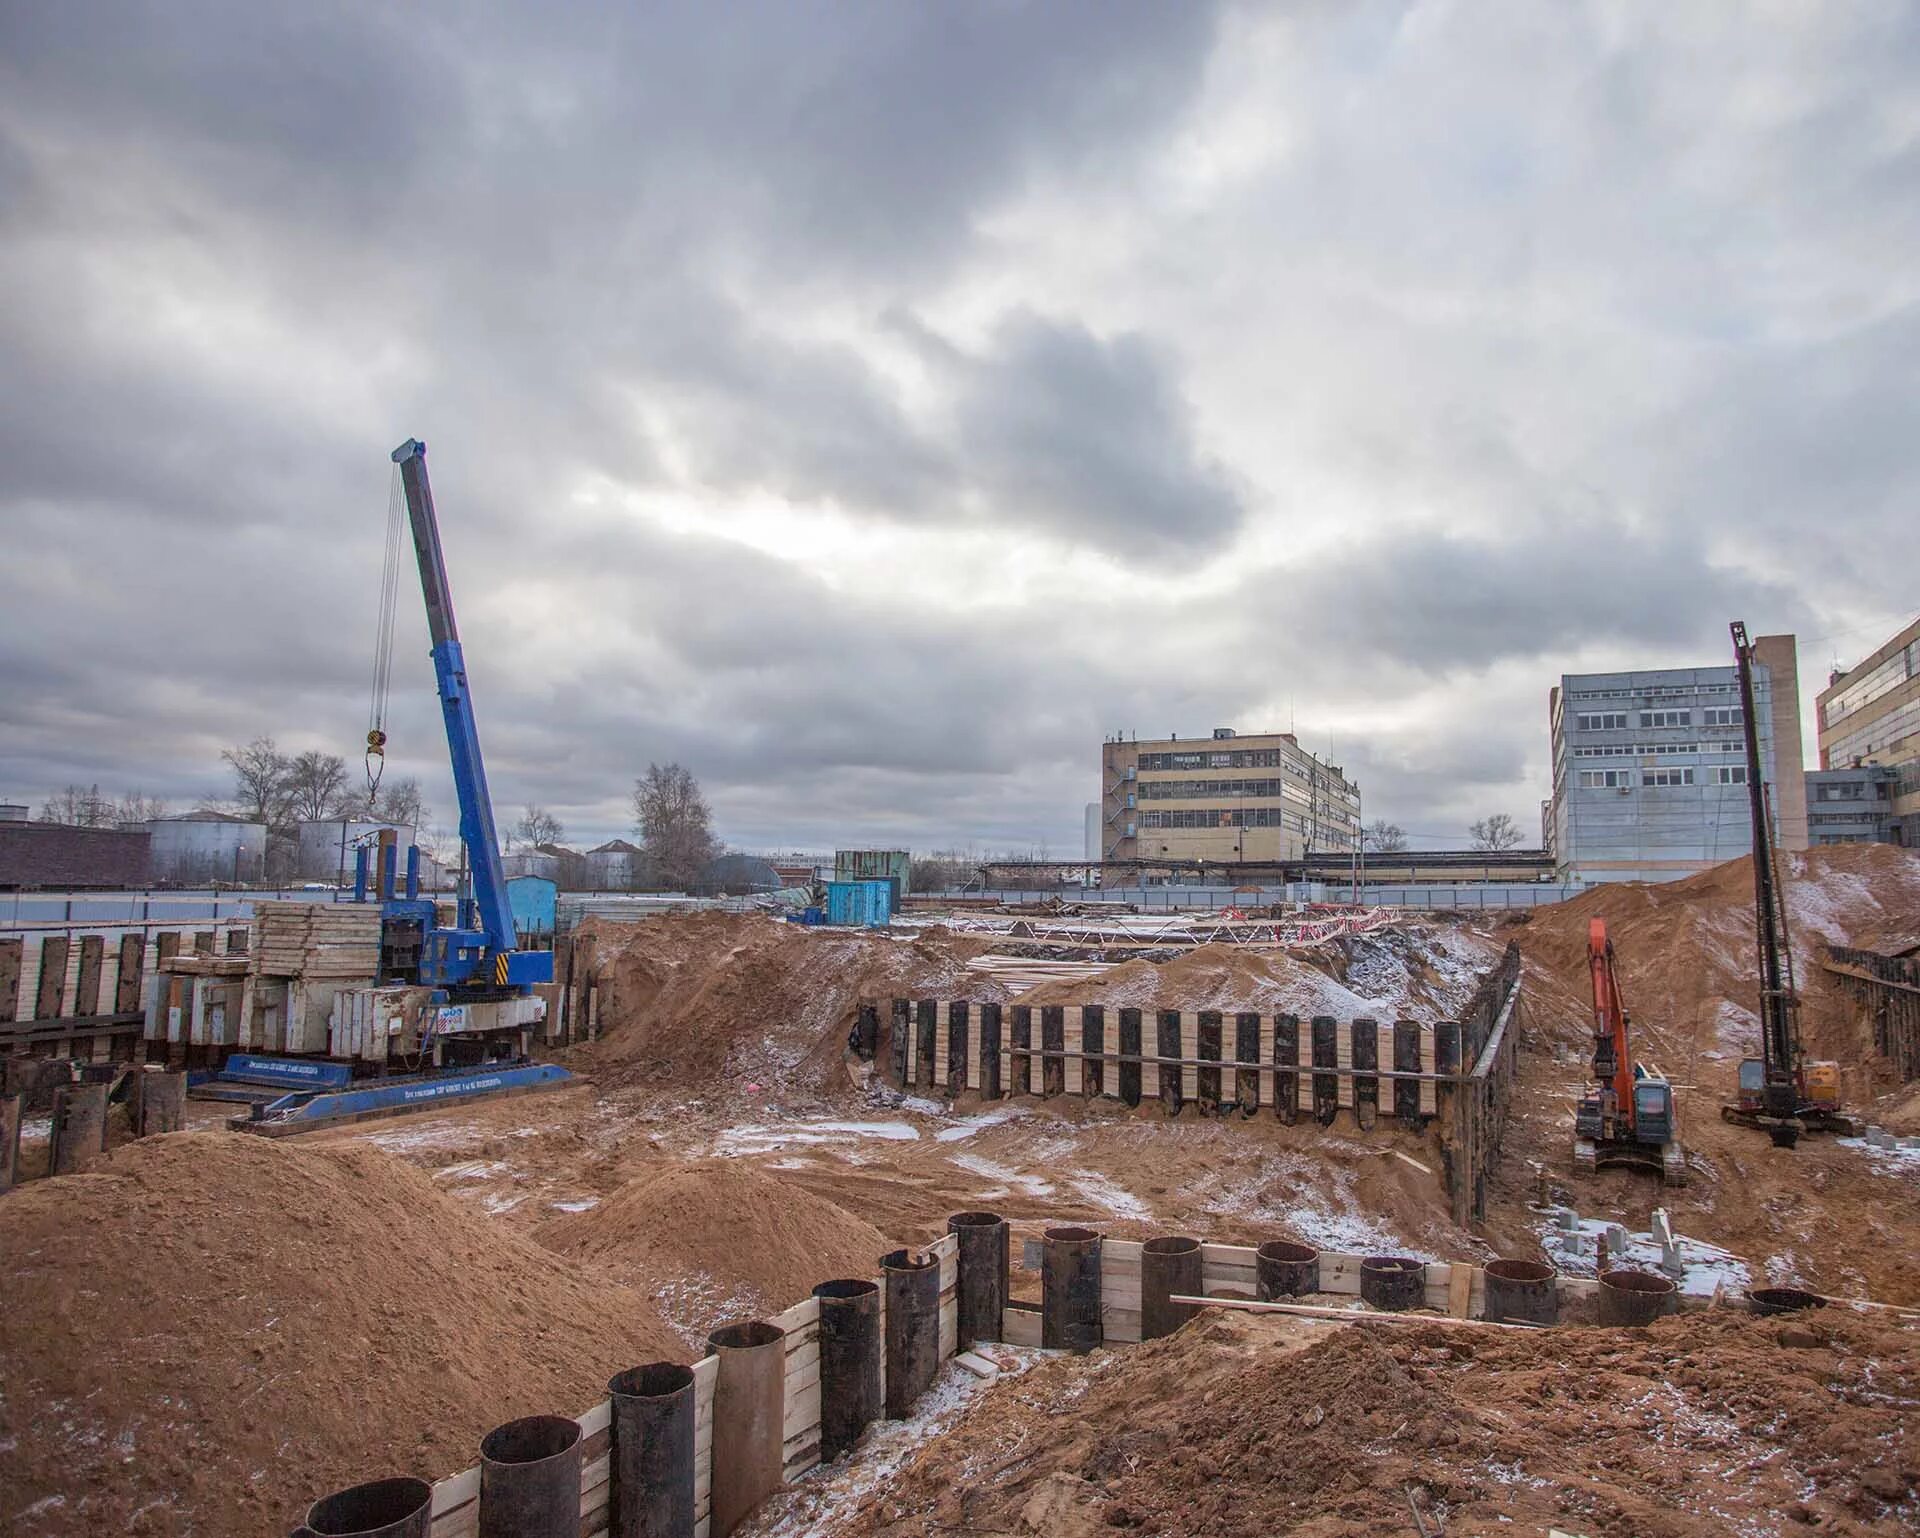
(210, 1328)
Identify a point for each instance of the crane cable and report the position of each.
(376, 755)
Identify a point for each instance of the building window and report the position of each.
(1725, 715)
(1730, 774)
(1606, 779)
(1604, 721)
(1660, 719)
(1654, 778)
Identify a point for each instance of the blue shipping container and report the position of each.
(533, 900)
(865, 903)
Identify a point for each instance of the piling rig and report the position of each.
(1779, 1090)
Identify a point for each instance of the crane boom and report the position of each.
(1779, 1034)
(497, 962)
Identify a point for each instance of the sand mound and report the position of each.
(1686, 948)
(217, 1328)
(718, 1239)
(720, 1000)
(1702, 1423)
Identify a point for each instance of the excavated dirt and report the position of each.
(217, 1328)
(718, 1239)
(1703, 1423)
(1829, 1214)
(708, 1004)
(222, 1326)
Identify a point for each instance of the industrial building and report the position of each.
(326, 845)
(1227, 799)
(1869, 716)
(616, 866)
(1851, 806)
(198, 848)
(48, 855)
(1650, 769)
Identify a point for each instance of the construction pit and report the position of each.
(207, 1331)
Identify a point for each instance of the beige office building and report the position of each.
(1870, 716)
(1223, 799)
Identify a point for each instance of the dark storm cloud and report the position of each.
(1091, 438)
(1424, 353)
(1435, 602)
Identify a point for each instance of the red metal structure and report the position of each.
(1629, 1120)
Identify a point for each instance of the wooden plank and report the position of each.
(1429, 1092)
(52, 986)
(1343, 1060)
(1344, 1315)
(1340, 1272)
(1020, 1326)
(805, 1312)
(1460, 1291)
(86, 981)
(942, 1035)
(12, 949)
(1072, 1070)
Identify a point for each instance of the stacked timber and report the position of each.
(304, 954)
(1020, 973)
(317, 940)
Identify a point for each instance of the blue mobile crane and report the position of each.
(482, 981)
(477, 959)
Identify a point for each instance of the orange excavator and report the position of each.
(1628, 1122)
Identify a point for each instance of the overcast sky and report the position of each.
(870, 406)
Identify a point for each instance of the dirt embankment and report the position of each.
(1832, 1217)
(704, 1005)
(718, 1238)
(1704, 1423)
(217, 1328)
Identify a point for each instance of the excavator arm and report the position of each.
(1612, 1054)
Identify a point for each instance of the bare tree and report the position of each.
(538, 826)
(79, 806)
(401, 803)
(316, 785)
(260, 773)
(675, 825)
(1494, 833)
(135, 807)
(1384, 837)
(941, 871)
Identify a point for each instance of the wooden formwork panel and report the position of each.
(12, 970)
(50, 990)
